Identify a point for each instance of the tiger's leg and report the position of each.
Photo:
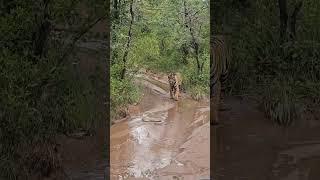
(178, 91)
(223, 106)
(180, 88)
(176, 94)
(215, 102)
(173, 93)
(171, 96)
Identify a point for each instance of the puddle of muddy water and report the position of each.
(168, 139)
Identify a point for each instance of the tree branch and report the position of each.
(78, 36)
(44, 81)
(124, 59)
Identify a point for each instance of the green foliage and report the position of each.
(262, 64)
(196, 84)
(281, 104)
(145, 50)
(80, 103)
(40, 96)
(28, 110)
(123, 92)
(159, 41)
(31, 111)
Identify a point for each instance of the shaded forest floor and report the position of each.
(83, 155)
(249, 146)
(83, 159)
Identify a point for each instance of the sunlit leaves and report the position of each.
(159, 38)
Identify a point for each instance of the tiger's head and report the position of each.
(171, 78)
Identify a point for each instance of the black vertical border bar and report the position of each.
(107, 92)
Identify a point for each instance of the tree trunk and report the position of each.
(41, 35)
(194, 42)
(212, 19)
(196, 48)
(186, 20)
(116, 12)
(115, 21)
(283, 19)
(293, 20)
(125, 55)
(185, 52)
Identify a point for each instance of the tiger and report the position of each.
(220, 58)
(175, 81)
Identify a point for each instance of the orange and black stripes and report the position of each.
(174, 85)
(219, 62)
(220, 57)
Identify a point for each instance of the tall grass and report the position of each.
(35, 108)
(123, 93)
(285, 75)
(196, 84)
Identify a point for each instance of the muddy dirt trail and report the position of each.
(251, 147)
(163, 138)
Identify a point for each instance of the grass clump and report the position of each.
(281, 104)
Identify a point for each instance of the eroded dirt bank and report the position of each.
(163, 139)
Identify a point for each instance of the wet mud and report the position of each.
(251, 147)
(163, 138)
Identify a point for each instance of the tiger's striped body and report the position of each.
(175, 81)
(219, 70)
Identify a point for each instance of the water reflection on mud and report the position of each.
(167, 140)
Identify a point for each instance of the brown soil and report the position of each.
(249, 146)
(163, 139)
(84, 159)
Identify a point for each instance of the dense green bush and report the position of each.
(40, 95)
(264, 66)
(31, 111)
(160, 41)
(197, 85)
(281, 104)
(123, 92)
